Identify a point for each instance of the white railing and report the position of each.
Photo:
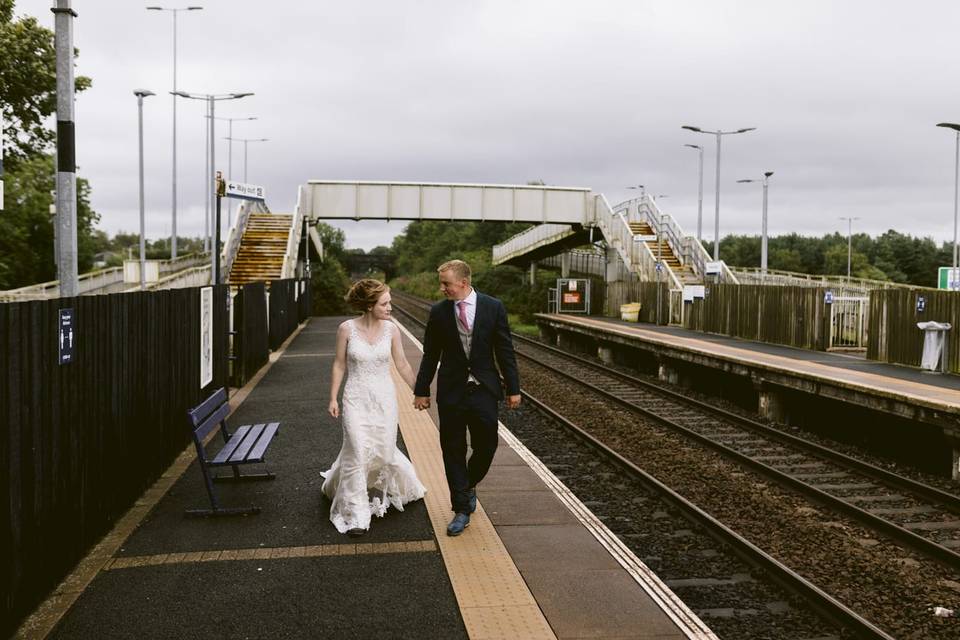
(529, 239)
(685, 247)
(636, 254)
(235, 233)
(293, 239)
(841, 285)
(101, 281)
(193, 277)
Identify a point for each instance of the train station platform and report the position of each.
(535, 563)
(896, 390)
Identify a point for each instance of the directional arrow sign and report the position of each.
(245, 191)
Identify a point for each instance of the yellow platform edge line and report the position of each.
(484, 577)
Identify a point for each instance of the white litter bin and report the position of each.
(934, 339)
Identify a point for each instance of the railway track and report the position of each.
(744, 591)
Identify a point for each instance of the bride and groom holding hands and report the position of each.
(468, 335)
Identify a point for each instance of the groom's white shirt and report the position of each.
(471, 309)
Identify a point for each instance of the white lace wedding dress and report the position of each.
(370, 474)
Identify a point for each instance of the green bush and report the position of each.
(329, 283)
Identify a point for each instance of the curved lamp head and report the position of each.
(950, 125)
(143, 93)
(686, 126)
(745, 130)
(694, 146)
(745, 180)
(767, 174)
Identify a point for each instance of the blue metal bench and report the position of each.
(247, 445)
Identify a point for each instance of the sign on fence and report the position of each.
(206, 336)
(573, 295)
(66, 336)
(949, 279)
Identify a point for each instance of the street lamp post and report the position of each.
(763, 224)
(956, 185)
(699, 193)
(211, 189)
(716, 215)
(245, 141)
(173, 206)
(849, 240)
(141, 94)
(230, 159)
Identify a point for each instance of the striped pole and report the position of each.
(66, 152)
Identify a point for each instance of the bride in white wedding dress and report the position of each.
(370, 474)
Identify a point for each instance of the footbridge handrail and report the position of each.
(293, 239)
(686, 247)
(636, 255)
(529, 239)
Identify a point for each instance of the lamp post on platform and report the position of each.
(230, 158)
(699, 193)
(849, 240)
(141, 94)
(210, 192)
(173, 206)
(245, 141)
(956, 185)
(763, 224)
(716, 214)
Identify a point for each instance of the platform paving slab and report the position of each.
(360, 596)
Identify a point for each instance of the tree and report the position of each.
(28, 85)
(26, 227)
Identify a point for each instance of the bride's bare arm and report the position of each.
(339, 367)
(400, 359)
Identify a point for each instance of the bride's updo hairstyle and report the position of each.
(363, 295)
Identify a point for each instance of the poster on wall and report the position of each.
(206, 336)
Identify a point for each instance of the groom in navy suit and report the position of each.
(465, 333)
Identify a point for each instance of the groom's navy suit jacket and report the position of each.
(491, 339)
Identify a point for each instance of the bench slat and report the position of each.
(230, 447)
(211, 423)
(199, 413)
(256, 455)
(240, 454)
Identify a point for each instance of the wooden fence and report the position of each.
(792, 316)
(250, 341)
(894, 314)
(79, 442)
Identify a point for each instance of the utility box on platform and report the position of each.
(934, 356)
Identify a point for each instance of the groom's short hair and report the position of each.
(459, 268)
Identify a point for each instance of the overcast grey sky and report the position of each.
(844, 95)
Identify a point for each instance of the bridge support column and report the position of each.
(613, 266)
(533, 274)
(564, 265)
(566, 341)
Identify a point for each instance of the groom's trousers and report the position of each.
(476, 413)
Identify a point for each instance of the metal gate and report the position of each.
(848, 323)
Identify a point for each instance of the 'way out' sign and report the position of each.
(244, 191)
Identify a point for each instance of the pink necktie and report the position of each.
(463, 314)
